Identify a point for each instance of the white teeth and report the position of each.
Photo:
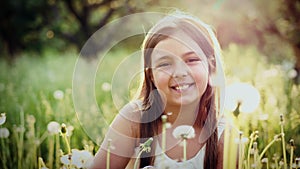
(181, 87)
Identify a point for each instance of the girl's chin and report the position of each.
(186, 101)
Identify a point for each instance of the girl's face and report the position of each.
(180, 72)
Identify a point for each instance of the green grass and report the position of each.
(27, 87)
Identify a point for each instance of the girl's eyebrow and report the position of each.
(189, 53)
(165, 57)
(162, 58)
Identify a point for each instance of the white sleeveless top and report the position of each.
(162, 160)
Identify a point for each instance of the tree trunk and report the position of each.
(296, 48)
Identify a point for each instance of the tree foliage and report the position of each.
(33, 25)
(21, 21)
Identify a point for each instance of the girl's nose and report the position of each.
(180, 70)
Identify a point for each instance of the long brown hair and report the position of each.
(152, 102)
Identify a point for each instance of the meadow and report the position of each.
(39, 126)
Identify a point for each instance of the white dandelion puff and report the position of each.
(106, 86)
(58, 94)
(184, 131)
(2, 118)
(53, 127)
(292, 73)
(4, 133)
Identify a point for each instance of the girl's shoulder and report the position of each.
(128, 119)
(132, 111)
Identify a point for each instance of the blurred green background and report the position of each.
(40, 42)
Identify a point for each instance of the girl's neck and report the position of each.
(182, 115)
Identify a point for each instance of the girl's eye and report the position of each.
(161, 65)
(193, 60)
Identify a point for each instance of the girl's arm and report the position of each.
(123, 137)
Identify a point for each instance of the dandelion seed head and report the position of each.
(255, 145)
(2, 118)
(53, 127)
(281, 118)
(82, 158)
(292, 142)
(58, 94)
(264, 160)
(70, 131)
(277, 137)
(253, 165)
(243, 96)
(4, 132)
(281, 163)
(149, 167)
(169, 113)
(242, 140)
(65, 160)
(292, 73)
(63, 128)
(164, 118)
(297, 161)
(168, 125)
(106, 86)
(184, 132)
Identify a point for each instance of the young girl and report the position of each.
(181, 56)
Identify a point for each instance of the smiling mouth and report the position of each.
(182, 87)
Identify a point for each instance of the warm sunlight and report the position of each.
(242, 94)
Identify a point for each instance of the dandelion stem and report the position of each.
(163, 140)
(283, 142)
(241, 152)
(268, 146)
(255, 154)
(108, 155)
(291, 158)
(3, 153)
(51, 151)
(145, 147)
(292, 153)
(184, 149)
(20, 140)
(67, 142)
(41, 163)
(249, 150)
(64, 135)
(276, 163)
(252, 138)
(57, 151)
(137, 159)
